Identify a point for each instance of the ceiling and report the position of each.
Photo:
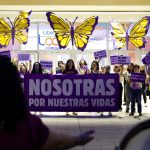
(76, 5)
(122, 10)
(76, 2)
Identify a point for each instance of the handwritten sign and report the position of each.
(113, 60)
(46, 64)
(138, 77)
(100, 54)
(24, 57)
(120, 60)
(146, 59)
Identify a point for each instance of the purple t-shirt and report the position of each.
(31, 134)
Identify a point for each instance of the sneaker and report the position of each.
(74, 113)
(127, 111)
(131, 114)
(110, 114)
(140, 114)
(124, 103)
(101, 114)
(120, 109)
(145, 105)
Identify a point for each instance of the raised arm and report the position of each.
(63, 142)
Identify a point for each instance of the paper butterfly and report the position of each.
(18, 29)
(135, 35)
(65, 32)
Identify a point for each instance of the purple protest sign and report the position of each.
(124, 60)
(146, 59)
(46, 64)
(24, 57)
(114, 60)
(138, 77)
(5, 53)
(79, 93)
(100, 54)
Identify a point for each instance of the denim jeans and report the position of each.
(128, 95)
(136, 96)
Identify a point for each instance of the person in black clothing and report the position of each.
(127, 86)
(118, 69)
(70, 69)
(37, 68)
(142, 70)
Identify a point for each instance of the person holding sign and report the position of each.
(136, 88)
(83, 69)
(20, 130)
(119, 70)
(95, 67)
(70, 69)
(127, 86)
(142, 70)
(37, 68)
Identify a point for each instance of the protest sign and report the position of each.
(46, 64)
(24, 57)
(124, 60)
(146, 59)
(100, 54)
(138, 77)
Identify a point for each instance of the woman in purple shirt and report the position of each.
(19, 130)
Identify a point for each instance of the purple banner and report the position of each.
(124, 60)
(138, 77)
(5, 53)
(46, 64)
(100, 54)
(146, 59)
(79, 93)
(24, 57)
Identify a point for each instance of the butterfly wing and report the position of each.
(61, 29)
(21, 25)
(118, 31)
(82, 32)
(138, 32)
(5, 33)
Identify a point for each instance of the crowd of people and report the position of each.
(130, 92)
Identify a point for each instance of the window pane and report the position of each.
(33, 30)
(31, 44)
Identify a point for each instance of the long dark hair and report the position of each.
(130, 71)
(67, 65)
(34, 69)
(12, 101)
(97, 64)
